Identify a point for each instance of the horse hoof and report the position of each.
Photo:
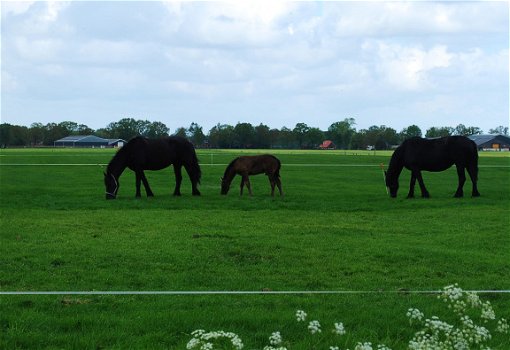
(477, 194)
(196, 193)
(458, 195)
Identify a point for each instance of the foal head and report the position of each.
(225, 186)
(111, 184)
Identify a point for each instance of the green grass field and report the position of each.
(335, 229)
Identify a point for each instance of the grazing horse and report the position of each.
(252, 165)
(141, 154)
(417, 154)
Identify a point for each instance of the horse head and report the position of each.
(391, 184)
(111, 185)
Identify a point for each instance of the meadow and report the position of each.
(335, 229)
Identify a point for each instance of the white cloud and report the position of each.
(408, 68)
(283, 61)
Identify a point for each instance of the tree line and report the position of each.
(242, 135)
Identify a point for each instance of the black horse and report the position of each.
(417, 154)
(252, 165)
(141, 154)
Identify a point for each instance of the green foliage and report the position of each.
(335, 229)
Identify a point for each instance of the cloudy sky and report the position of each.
(271, 62)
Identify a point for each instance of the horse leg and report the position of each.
(412, 183)
(146, 185)
(194, 189)
(462, 179)
(138, 175)
(473, 175)
(178, 179)
(424, 192)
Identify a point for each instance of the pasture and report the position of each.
(336, 229)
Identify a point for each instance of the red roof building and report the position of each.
(327, 144)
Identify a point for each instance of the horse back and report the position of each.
(154, 154)
(438, 154)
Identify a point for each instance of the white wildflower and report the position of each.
(275, 338)
(314, 327)
(201, 339)
(339, 328)
(414, 314)
(487, 311)
(363, 346)
(334, 348)
(503, 326)
(301, 315)
(382, 347)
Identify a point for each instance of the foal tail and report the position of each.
(277, 172)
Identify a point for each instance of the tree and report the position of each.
(155, 130)
(381, 137)
(196, 134)
(439, 131)
(182, 132)
(36, 134)
(300, 131)
(244, 135)
(13, 135)
(221, 136)
(341, 132)
(314, 137)
(262, 136)
(500, 130)
(410, 131)
(286, 138)
(463, 130)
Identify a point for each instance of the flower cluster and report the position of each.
(205, 340)
(465, 333)
(503, 326)
(314, 327)
(301, 315)
(414, 315)
(434, 334)
(339, 328)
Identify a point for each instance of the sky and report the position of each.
(271, 62)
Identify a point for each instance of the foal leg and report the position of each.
(146, 185)
(273, 184)
(246, 180)
(473, 175)
(424, 192)
(178, 179)
(279, 184)
(462, 179)
(242, 185)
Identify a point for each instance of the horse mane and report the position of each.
(229, 167)
(123, 152)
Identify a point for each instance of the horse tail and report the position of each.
(196, 173)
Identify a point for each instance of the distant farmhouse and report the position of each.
(491, 142)
(327, 144)
(90, 141)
